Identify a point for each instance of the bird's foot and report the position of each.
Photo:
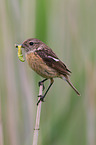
(41, 99)
(41, 83)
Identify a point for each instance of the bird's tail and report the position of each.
(68, 81)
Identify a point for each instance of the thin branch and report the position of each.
(36, 130)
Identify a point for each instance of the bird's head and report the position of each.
(31, 44)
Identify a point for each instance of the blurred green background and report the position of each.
(69, 28)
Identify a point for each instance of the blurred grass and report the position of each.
(68, 27)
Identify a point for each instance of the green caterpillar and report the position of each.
(20, 55)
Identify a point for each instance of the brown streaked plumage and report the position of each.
(39, 66)
(45, 62)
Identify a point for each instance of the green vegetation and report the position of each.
(69, 28)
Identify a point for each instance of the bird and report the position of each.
(42, 59)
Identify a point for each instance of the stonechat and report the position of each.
(45, 62)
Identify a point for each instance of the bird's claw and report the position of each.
(41, 99)
(41, 83)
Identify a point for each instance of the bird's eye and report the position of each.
(31, 43)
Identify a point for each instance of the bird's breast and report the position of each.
(39, 66)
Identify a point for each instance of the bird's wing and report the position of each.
(50, 58)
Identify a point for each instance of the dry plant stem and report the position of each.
(1, 129)
(36, 130)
